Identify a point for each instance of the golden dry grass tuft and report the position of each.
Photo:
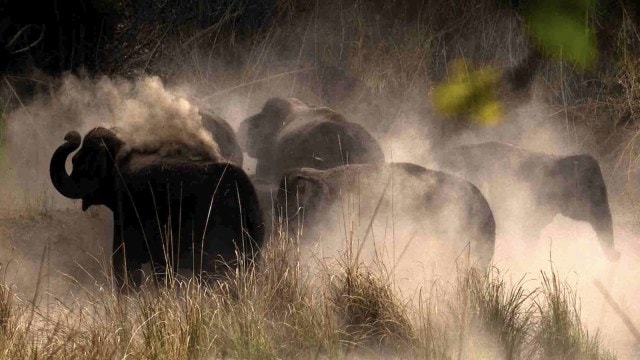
(275, 311)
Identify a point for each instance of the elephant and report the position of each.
(569, 185)
(288, 134)
(438, 206)
(224, 136)
(168, 210)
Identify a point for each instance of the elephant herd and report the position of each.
(204, 213)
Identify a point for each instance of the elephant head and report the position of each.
(301, 192)
(584, 197)
(257, 133)
(93, 166)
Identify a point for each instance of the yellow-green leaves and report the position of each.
(561, 29)
(558, 28)
(470, 93)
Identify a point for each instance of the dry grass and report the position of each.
(559, 334)
(352, 309)
(277, 311)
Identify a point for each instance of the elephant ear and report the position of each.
(112, 150)
(580, 178)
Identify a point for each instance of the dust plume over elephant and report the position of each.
(169, 206)
(569, 185)
(288, 134)
(441, 208)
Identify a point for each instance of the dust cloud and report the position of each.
(47, 233)
(146, 115)
(146, 112)
(568, 247)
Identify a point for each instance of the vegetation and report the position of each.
(276, 311)
(397, 52)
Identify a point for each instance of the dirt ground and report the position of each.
(67, 244)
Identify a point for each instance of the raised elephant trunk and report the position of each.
(59, 177)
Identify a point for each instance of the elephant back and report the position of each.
(439, 209)
(322, 143)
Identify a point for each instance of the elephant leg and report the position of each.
(217, 252)
(118, 261)
(128, 253)
(214, 256)
(201, 263)
(192, 257)
(127, 271)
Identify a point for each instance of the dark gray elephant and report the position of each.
(441, 207)
(167, 210)
(224, 136)
(289, 134)
(569, 185)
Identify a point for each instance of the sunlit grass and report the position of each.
(277, 311)
(559, 333)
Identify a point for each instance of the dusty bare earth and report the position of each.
(67, 244)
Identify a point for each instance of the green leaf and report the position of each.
(561, 30)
